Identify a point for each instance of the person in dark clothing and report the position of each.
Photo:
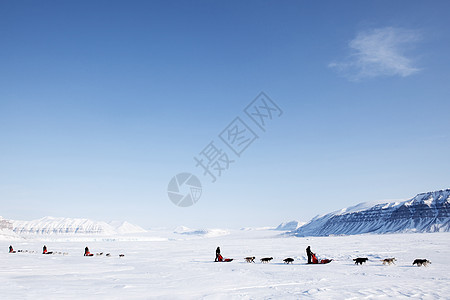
(217, 254)
(11, 250)
(86, 252)
(44, 250)
(309, 253)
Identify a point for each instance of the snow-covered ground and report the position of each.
(161, 264)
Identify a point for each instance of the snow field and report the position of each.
(183, 267)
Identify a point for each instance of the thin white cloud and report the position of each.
(379, 52)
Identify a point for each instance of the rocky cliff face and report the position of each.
(427, 212)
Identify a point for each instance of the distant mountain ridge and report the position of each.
(5, 224)
(52, 225)
(426, 212)
(200, 232)
(290, 226)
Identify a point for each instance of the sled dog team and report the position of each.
(312, 259)
(45, 251)
(388, 261)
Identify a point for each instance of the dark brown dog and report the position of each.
(421, 262)
(266, 259)
(360, 260)
(288, 260)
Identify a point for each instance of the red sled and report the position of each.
(322, 261)
(221, 259)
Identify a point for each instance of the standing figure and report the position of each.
(86, 252)
(217, 254)
(309, 253)
(11, 250)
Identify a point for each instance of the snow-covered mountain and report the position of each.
(125, 227)
(200, 232)
(5, 224)
(289, 226)
(6, 232)
(427, 212)
(51, 225)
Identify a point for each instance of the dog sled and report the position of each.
(316, 261)
(221, 259)
(87, 253)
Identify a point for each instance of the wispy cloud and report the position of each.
(379, 52)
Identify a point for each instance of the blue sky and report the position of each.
(103, 102)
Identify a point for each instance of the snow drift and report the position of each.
(426, 212)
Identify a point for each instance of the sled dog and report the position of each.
(421, 262)
(266, 259)
(288, 260)
(389, 261)
(360, 260)
(250, 259)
